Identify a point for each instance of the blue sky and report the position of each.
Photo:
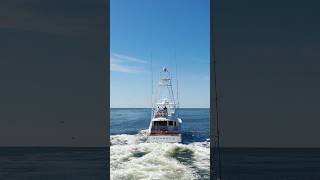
(172, 32)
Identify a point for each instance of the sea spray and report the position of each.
(132, 158)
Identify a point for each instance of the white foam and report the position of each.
(131, 158)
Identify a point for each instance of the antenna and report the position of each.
(177, 81)
(151, 72)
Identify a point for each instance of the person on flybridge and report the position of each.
(165, 125)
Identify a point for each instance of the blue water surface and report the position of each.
(53, 163)
(195, 126)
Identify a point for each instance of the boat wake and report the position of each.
(132, 158)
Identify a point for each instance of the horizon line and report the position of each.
(151, 107)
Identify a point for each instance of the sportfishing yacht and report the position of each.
(165, 125)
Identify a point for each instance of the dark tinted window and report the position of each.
(162, 123)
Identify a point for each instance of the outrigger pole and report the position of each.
(151, 76)
(177, 88)
(215, 161)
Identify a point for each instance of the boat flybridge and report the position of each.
(165, 125)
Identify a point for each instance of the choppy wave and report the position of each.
(132, 158)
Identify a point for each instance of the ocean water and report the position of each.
(132, 158)
(271, 164)
(52, 163)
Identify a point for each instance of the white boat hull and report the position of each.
(164, 138)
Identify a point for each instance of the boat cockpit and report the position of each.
(167, 127)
